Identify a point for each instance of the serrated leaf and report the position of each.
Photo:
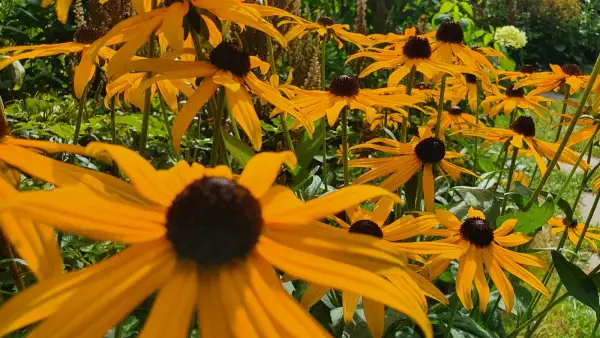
(578, 283)
(529, 221)
(238, 149)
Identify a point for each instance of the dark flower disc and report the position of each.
(450, 32)
(214, 221)
(88, 34)
(511, 91)
(417, 48)
(227, 56)
(570, 224)
(366, 227)
(527, 69)
(4, 131)
(170, 2)
(470, 78)
(344, 85)
(524, 125)
(477, 231)
(325, 21)
(571, 69)
(431, 150)
(455, 110)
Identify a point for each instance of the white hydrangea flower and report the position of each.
(511, 36)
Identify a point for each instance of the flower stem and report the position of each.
(345, 146)
(6, 251)
(568, 133)
(595, 326)
(148, 96)
(410, 81)
(440, 107)
(113, 121)
(562, 112)
(80, 112)
(286, 133)
(324, 119)
(453, 309)
(165, 116)
(538, 316)
(475, 150)
(119, 330)
(217, 131)
(511, 169)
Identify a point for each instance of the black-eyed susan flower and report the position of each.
(83, 38)
(394, 119)
(513, 98)
(416, 52)
(459, 89)
(516, 75)
(397, 40)
(324, 26)
(574, 230)
(407, 159)
(228, 67)
(521, 134)
(485, 250)
(453, 120)
(372, 223)
(543, 82)
(206, 243)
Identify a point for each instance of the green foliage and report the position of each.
(578, 283)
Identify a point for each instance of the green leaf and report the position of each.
(529, 221)
(309, 147)
(63, 130)
(562, 204)
(466, 7)
(486, 164)
(578, 283)
(446, 7)
(507, 64)
(238, 149)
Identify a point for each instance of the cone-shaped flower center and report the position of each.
(431, 150)
(477, 231)
(344, 85)
(88, 34)
(524, 125)
(417, 48)
(366, 227)
(450, 32)
(571, 69)
(470, 78)
(512, 92)
(227, 56)
(570, 224)
(214, 221)
(527, 69)
(325, 21)
(455, 110)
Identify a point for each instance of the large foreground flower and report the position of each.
(207, 243)
(231, 68)
(574, 230)
(484, 246)
(407, 160)
(543, 82)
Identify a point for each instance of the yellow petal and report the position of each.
(262, 170)
(349, 303)
(243, 112)
(83, 74)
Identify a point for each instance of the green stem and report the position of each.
(475, 150)
(80, 112)
(148, 96)
(324, 61)
(511, 170)
(492, 310)
(568, 133)
(345, 147)
(286, 133)
(410, 81)
(440, 107)
(113, 121)
(119, 330)
(324, 119)
(217, 131)
(453, 309)
(165, 116)
(595, 326)
(540, 315)
(562, 112)
(15, 271)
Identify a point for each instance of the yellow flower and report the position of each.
(62, 8)
(484, 246)
(521, 134)
(465, 88)
(575, 230)
(409, 158)
(416, 52)
(394, 119)
(372, 224)
(206, 243)
(324, 26)
(231, 68)
(397, 40)
(511, 99)
(521, 177)
(83, 39)
(453, 120)
(513, 76)
(569, 74)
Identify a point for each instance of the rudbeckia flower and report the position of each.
(466, 89)
(231, 68)
(83, 38)
(416, 52)
(397, 40)
(449, 45)
(511, 99)
(521, 177)
(344, 91)
(543, 82)
(394, 119)
(513, 76)
(484, 247)
(408, 159)
(325, 26)
(206, 243)
(453, 119)
(521, 134)
(575, 230)
(372, 224)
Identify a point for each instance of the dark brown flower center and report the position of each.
(450, 32)
(366, 227)
(325, 21)
(455, 110)
(417, 48)
(344, 85)
(470, 78)
(571, 69)
(477, 231)
(227, 56)
(214, 221)
(88, 34)
(430, 150)
(527, 69)
(570, 224)
(524, 125)
(170, 2)
(511, 91)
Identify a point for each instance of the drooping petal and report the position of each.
(243, 112)
(262, 170)
(312, 294)
(375, 317)
(465, 276)
(349, 303)
(502, 283)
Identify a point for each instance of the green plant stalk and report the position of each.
(410, 81)
(494, 307)
(511, 170)
(148, 95)
(324, 119)
(568, 133)
(345, 147)
(119, 330)
(540, 315)
(440, 107)
(113, 121)
(475, 150)
(286, 133)
(217, 132)
(165, 116)
(15, 271)
(80, 112)
(453, 309)
(595, 326)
